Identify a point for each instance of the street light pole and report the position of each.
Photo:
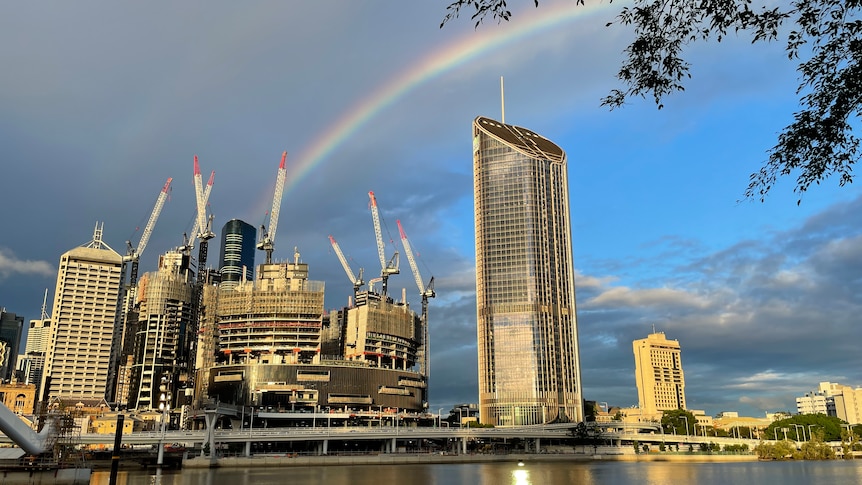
(796, 428)
(164, 407)
(439, 419)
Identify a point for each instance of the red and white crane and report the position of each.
(357, 282)
(267, 236)
(426, 292)
(207, 191)
(204, 223)
(386, 268)
(134, 253)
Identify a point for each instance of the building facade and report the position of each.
(658, 374)
(32, 366)
(19, 398)
(276, 348)
(815, 403)
(83, 316)
(833, 399)
(529, 363)
(164, 330)
(11, 328)
(236, 262)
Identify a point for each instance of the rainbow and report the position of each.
(450, 56)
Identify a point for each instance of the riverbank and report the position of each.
(288, 460)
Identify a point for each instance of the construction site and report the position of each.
(184, 342)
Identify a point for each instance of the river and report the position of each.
(582, 473)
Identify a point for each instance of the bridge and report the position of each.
(386, 439)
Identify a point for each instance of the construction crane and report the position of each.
(386, 268)
(207, 191)
(134, 253)
(204, 224)
(357, 282)
(267, 237)
(426, 292)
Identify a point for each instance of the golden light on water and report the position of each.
(521, 476)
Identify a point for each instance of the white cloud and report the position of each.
(583, 281)
(11, 265)
(650, 297)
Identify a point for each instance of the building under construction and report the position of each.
(278, 348)
(164, 330)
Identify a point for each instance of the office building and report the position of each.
(33, 363)
(236, 262)
(83, 317)
(529, 364)
(658, 374)
(11, 327)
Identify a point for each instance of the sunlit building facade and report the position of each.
(276, 348)
(82, 328)
(658, 373)
(529, 364)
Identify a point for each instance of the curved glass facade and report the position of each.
(529, 368)
(237, 253)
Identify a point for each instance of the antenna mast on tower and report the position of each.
(502, 103)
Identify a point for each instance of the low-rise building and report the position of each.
(20, 398)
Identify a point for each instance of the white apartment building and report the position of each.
(833, 399)
(85, 306)
(812, 403)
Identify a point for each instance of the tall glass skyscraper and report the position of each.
(237, 253)
(529, 367)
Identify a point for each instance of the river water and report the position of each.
(532, 473)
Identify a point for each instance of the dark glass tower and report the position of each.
(237, 252)
(11, 327)
(529, 367)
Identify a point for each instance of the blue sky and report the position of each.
(102, 102)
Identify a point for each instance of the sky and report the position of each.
(101, 102)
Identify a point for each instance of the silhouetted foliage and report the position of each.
(826, 34)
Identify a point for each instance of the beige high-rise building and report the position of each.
(658, 372)
(85, 306)
(529, 366)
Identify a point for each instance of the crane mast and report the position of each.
(426, 292)
(386, 268)
(204, 223)
(267, 240)
(357, 282)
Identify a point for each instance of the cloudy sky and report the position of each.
(101, 102)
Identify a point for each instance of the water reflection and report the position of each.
(531, 473)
